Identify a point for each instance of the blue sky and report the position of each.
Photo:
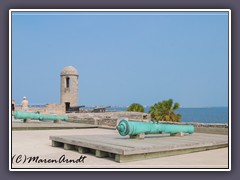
(122, 57)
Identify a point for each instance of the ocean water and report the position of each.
(204, 115)
(201, 115)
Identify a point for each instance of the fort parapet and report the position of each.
(50, 108)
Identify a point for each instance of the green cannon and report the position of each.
(32, 115)
(136, 128)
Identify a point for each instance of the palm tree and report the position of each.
(136, 107)
(164, 111)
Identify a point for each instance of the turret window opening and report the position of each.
(67, 82)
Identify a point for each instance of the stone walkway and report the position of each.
(43, 125)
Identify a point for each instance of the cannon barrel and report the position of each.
(37, 116)
(135, 127)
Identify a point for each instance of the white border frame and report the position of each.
(121, 10)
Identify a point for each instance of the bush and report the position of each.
(136, 107)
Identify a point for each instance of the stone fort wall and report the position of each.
(47, 109)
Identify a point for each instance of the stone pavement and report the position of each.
(27, 144)
(18, 124)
